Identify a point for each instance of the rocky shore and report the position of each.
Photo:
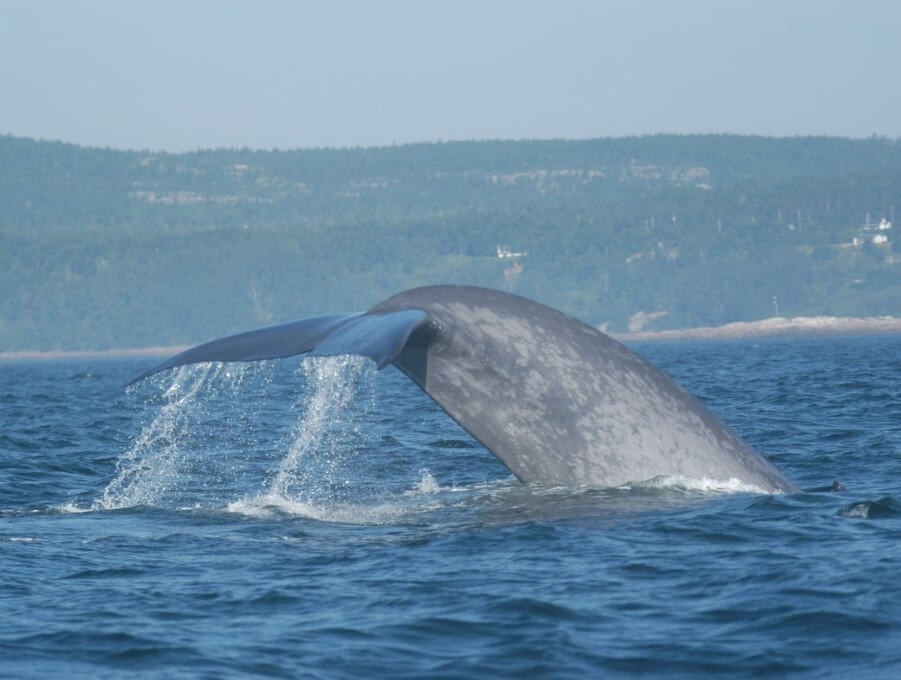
(776, 326)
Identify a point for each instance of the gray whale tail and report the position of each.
(557, 401)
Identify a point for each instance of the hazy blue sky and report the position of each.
(173, 75)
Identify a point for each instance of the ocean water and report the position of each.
(316, 518)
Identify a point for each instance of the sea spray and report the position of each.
(315, 465)
(230, 436)
(151, 466)
(304, 440)
(326, 472)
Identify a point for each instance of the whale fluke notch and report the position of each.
(557, 401)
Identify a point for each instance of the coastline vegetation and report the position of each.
(103, 248)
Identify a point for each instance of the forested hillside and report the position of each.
(102, 248)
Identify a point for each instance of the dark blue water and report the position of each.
(319, 519)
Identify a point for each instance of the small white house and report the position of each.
(505, 253)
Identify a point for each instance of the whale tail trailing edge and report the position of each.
(377, 336)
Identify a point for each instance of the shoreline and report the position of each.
(32, 355)
(800, 326)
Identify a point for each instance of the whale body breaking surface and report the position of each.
(557, 401)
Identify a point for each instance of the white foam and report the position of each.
(427, 484)
(393, 509)
(703, 485)
(383, 512)
(71, 508)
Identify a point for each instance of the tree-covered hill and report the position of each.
(104, 248)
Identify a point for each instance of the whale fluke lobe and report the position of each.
(557, 401)
(377, 336)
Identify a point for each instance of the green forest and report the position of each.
(104, 248)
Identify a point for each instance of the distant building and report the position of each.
(505, 253)
(880, 237)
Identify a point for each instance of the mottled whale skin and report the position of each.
(557, 401)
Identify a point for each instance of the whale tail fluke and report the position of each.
(557, 401)
(377, 336)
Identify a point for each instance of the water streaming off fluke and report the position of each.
(187, 456)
